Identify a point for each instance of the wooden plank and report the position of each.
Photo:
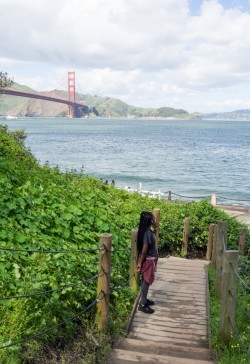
(171, 323)
(187, 301)
(175, 312)
(180, 268)
(173, 328)
(188, 264)
(184, 280)
(125, 356)
(164, 332)
(148, 346)
(179, 280)
(192, 273)
(177, 291)
(165, 296)
(178, 294)
(165, 339)
(174, 318)
(175, 322)
(182, 263)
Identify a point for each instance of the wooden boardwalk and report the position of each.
(178, 331)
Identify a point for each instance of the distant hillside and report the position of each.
(9, 103)
(22, 106)
(105, 106)
(109, 107)
(233, 115)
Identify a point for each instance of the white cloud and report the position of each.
(145, 52)
(235, 104)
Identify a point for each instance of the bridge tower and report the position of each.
(71, 93)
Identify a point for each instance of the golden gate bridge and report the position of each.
(75, 109)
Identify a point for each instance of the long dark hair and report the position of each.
(146, 220)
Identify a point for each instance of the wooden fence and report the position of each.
(225, 263)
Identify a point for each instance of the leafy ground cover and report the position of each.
(43, 209)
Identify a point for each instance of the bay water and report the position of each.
(192, 158)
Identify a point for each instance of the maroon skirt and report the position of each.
(148, 269)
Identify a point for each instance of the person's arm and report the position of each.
(142, 257)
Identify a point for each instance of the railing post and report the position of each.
(213, 200)
(242, 242)
(156, 213)
(103, 285)
(185, 236)
(220, 248)
(210, 242)
(213, 259)
(228, 294)
(169, 195)
(134, 276)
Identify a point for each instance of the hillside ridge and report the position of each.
(105, 106)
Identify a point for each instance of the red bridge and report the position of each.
(75, 109)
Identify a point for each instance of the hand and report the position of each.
(155, 226)
(138, 268)
(154, 223)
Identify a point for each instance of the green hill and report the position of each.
(110, 107)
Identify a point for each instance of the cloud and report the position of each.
(233, 103)
(147, 53)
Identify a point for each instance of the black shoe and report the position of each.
(150, 302)
(145, 309)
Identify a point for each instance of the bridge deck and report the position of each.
(178, 331)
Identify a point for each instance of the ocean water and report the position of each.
(188, 157)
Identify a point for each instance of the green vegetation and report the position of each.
(110, 107)
(5, 81)
(42, 208)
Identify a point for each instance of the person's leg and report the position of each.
(144, 292)
(144, 305)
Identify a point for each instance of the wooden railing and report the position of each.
(225, 263)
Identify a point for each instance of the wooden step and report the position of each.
(151, 347)
(167, 340)
(186, 332)
(163, 332)
(120, 356)
(172, 322)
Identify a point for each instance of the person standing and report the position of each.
(147, 257)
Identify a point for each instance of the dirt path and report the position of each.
(241, 213)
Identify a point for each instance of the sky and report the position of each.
(188, 54)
